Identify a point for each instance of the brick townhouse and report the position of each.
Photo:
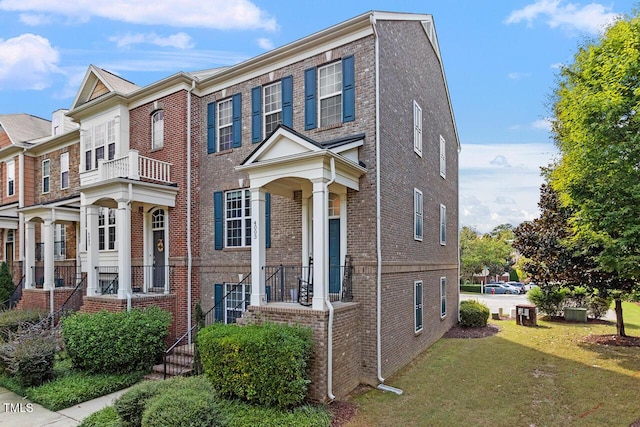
(315, 184)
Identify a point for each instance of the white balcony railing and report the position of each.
(135, 166)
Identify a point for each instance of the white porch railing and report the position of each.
(135, 166)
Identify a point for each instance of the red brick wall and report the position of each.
(39, 299)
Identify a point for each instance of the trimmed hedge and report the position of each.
(264, 364)
(473, 314)
(471, 288)
(106, 417)
(121, 342)
(186, 402)
(131, 404)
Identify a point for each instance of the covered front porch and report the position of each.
(288, 164)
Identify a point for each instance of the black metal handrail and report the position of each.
(282, 282)
(152, 275)
(107, 279)
(15, 296)
(209, 318)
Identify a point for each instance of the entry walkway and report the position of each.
(16, 411)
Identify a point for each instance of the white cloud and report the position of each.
(217, 14)
(544, 124)
(265, 43)
(592, 18)
(178, 40)
(492, 194)
(33, 20)
(518, 76)
(27, 62)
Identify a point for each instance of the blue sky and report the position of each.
(501, 59)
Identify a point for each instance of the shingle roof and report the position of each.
(24, 127)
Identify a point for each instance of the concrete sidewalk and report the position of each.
(16, 411)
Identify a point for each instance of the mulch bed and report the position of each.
(466, 332)
(342, 412)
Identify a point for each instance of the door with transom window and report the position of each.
(159, 243)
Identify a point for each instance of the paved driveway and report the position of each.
(495, 302)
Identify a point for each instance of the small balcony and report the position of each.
(133, 166)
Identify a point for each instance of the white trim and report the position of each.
(443, 157)
(443, 297)
(418, 214)
(264, 106)
(417, 128)
(443, 225)
(64, 160)
(337, 65)
(48, 176)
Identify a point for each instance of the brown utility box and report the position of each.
(526, 315)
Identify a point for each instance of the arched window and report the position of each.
(157, 220)
(157, 129)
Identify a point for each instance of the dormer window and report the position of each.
(157, 129)
(99, 142)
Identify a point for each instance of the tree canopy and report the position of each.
(492, 250)
(597, 131)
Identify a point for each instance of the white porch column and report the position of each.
(320, 244)
(258, 247)
(29, 254)
(92, 250)
(47, 236)
(123, 239)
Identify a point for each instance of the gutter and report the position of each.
(381, 386)
(189, 254)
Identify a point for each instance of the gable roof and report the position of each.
(98, 82)
(22, 128)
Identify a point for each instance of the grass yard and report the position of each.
(523, 376)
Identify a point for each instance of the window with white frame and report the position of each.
(417, 295)
(107, 229)
(443, 225)
(443, 297)
(225, 125)
(443, 157)
(238, 218)
(157, 129)
(237, 300)
(11, 178)
(417, 129)
(417, 214)
(60, 242)
(96, 140)
(64, 170)
(46, 175)
(272, 107)
(330, 93)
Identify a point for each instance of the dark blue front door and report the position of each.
(334, 256)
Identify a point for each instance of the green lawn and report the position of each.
(523, 376)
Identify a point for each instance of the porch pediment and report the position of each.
(288, 157)
(122, 189)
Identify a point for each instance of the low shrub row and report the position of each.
(551, 300)
(192, 402)
(29, 356)
(265, 364)
(12, 320)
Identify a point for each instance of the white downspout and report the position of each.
(129, 296)
(330, 306)
(381, 386)
(189, 255)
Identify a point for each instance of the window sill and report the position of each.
(153, 150)
(417, 333)
(237, 249)
(222, 153)
(329, 127)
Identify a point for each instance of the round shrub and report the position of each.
(549, 299)
(107, 417)
(131, 404)
(29, 356)
(185, 402)
(473, 314)
(121, 342)
(599, 306)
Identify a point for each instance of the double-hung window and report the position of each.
(443, 225)
(64, 170)
(107, 229)
(11, 178)
(417, 294)
(225, 123)
(330, 94)
(333, 93)
(443, 297)
(417, 214)
(238, 218)
(100, 139)
(157, 129)
(272, 107)
(417, 129)
(60, 242)
(46, 175)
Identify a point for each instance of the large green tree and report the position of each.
(491, 250)
(597, 131)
